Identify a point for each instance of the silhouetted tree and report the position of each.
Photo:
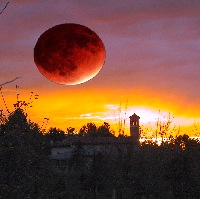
(55, 134)
(93, 131)
(23, 155)
(70, 131)
(76, 181)
(179, 174)
(104, 130)
(83, 131)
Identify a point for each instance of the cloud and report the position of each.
(95, 115)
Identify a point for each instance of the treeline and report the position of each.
(155, 172)
(24, 162)
(90, 130)
(171, 170)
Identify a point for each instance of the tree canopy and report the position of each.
(150, 171)
(92, 130)
(23, 155)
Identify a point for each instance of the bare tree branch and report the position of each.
(4, 8)
(10, 81)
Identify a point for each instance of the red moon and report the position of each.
(69, 54)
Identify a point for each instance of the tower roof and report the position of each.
(134, 116)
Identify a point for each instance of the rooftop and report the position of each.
(93, 141)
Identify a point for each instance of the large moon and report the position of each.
(69, 54)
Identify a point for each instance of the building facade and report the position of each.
(135, 129)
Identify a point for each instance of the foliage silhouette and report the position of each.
(55, 134)
(171, 170)
(23, 154)
(92, 130)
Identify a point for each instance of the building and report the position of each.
(135, 129)
(63, 151)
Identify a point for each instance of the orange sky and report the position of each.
(152, 60)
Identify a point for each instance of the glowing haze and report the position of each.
(152, 60)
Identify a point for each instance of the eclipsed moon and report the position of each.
(69, 54)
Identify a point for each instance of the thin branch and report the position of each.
(10, 81)
(4, 8)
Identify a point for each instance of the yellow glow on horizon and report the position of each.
(75, 108)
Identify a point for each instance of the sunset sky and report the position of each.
(152, 60)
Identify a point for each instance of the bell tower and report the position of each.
(134, 128)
